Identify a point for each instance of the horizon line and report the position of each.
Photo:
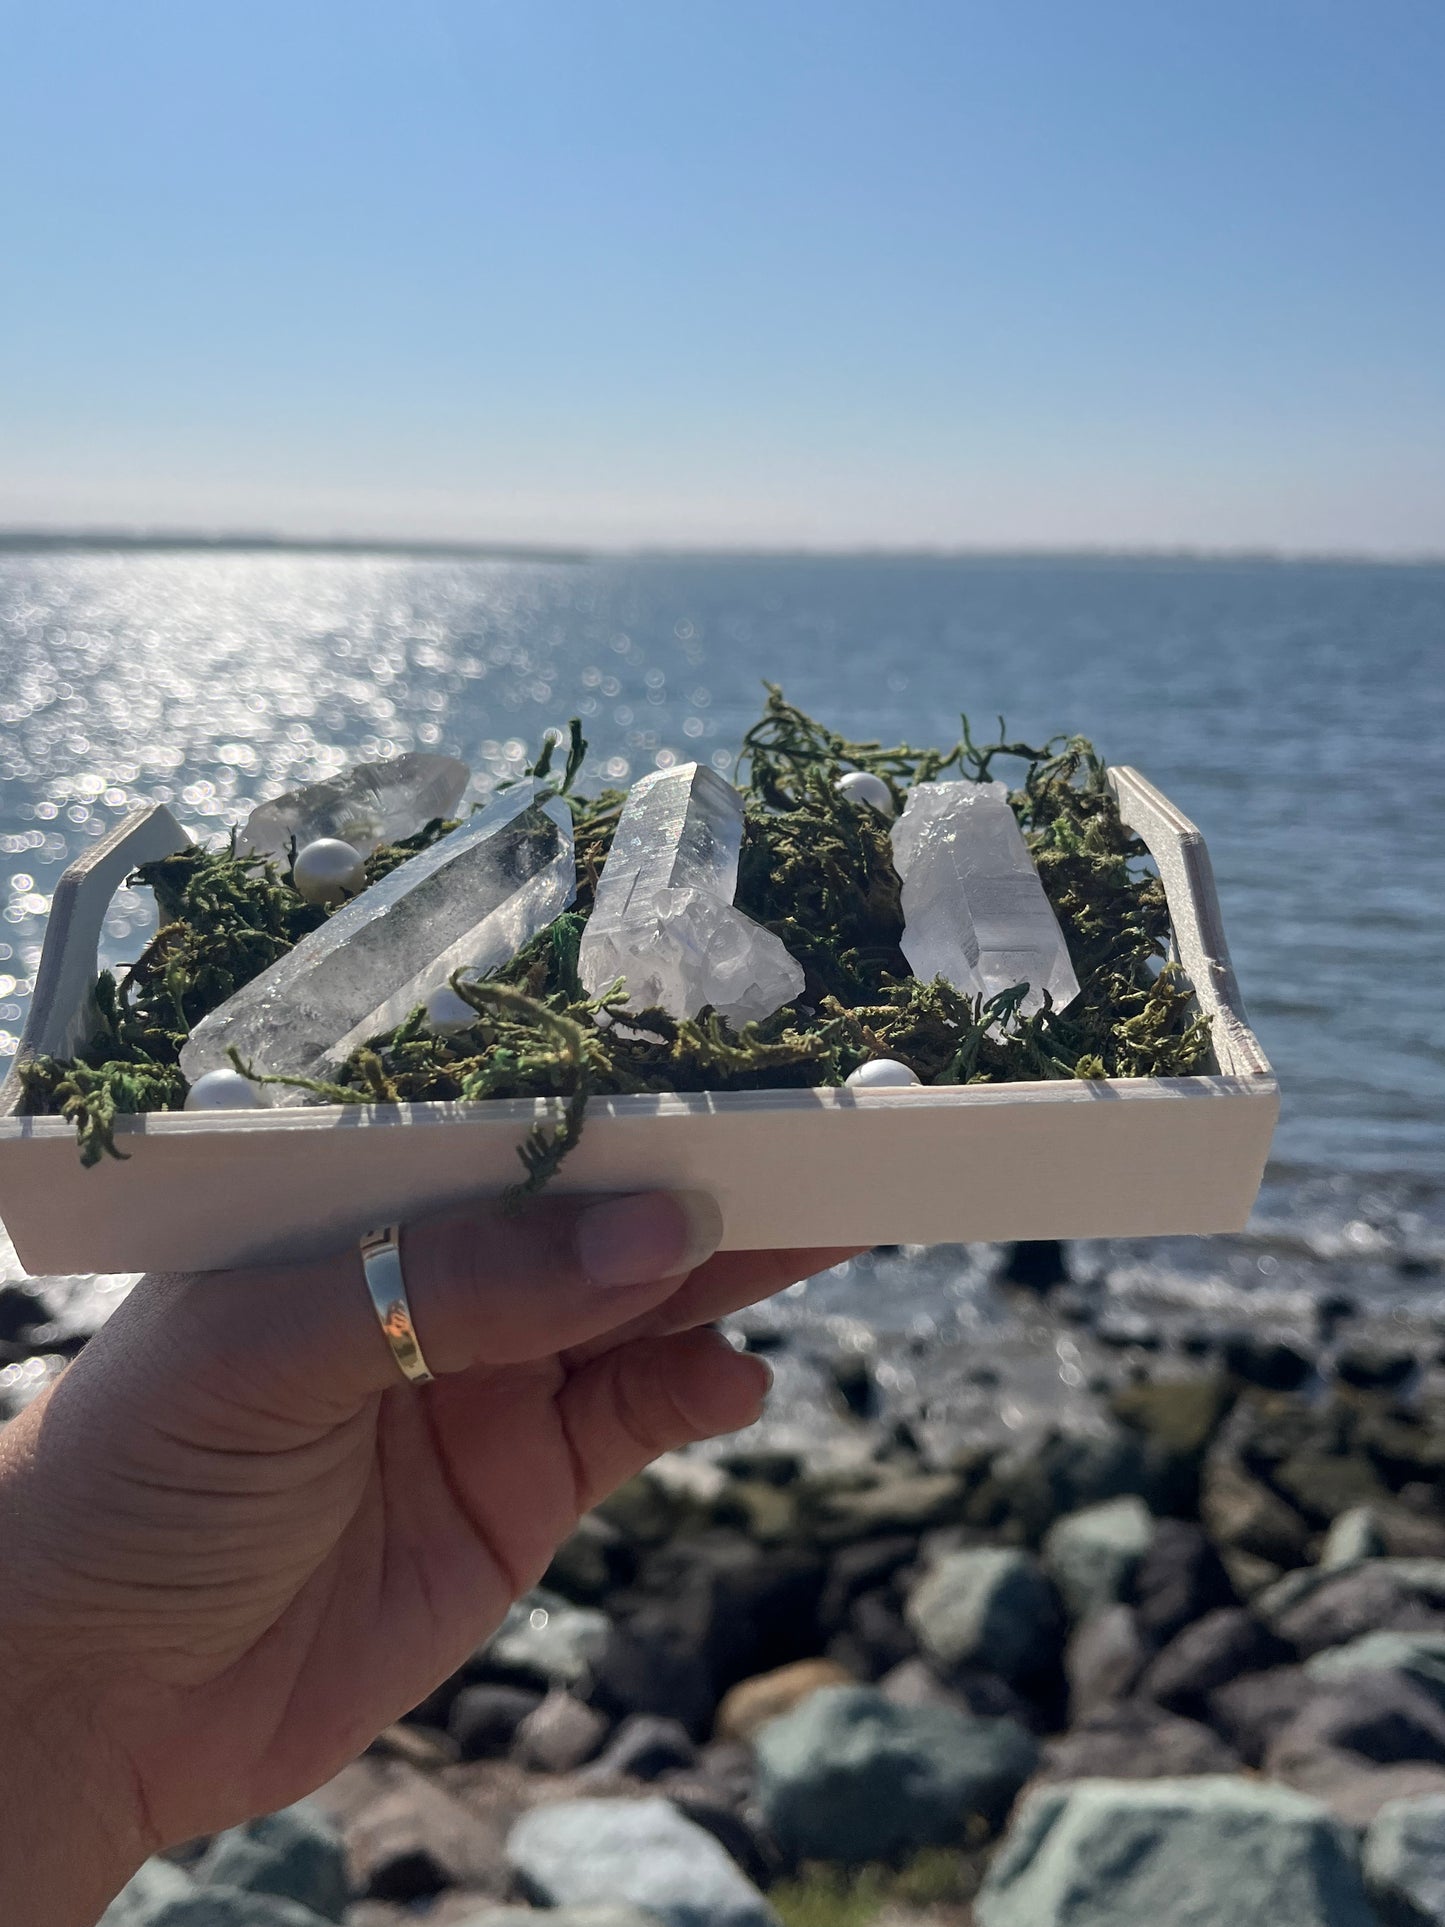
(20, 540)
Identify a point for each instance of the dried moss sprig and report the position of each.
(815, 868)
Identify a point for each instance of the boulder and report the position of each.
(653, 1665)
(483, 1720)
(860, 1568)
(1316, 1609)
(851, 1776)
(591, 1563)
(407, 1838)
(640, 1852)
(1104, 1658)
(1136, 1742)
(1271, 1363)
(1405, 1862)
(1354, 1535)
(617, 1915)
(992, 1608)
(1184, 1853)
(297, 1853)
(231, 1907)
(1041, 1479)
(1178, 1579)
(1241, 1512)
(1421, 1656)
(157, 1882)
(1091, 1555)
(546, 1641)
(645, 1746)
(753, 1702)
(984, 1695)
(735, 1607)
(1208, 1654)
(874, 1638)
(1251, 1710)
(560, 1735)
(1382, 1716)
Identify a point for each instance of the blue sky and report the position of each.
(773, 272)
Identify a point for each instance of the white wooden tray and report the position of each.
(1125, 1157)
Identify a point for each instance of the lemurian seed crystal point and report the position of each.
(372, 804)
(974, 910)
(664, 918)
(470, 901)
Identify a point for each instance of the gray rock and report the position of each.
(1104, 1659)
(645, 1746)
(1405, 1862)
(849, 1775)
(1135, 1742)
(620, 1915)
(232, 1907)
(1091, 1555)
(483, 1720)
(1244, 1515)
(1178, 1580)
(641, 1852)
(1252, 1709)
(296, 1853)
(1353, 1536)
(1184, 1853)
(561, 1735)
(1382, 1716)
(1208, 1654)
(408, 1838)
(1315, 1609)
(1419, 1655)
(547, 1641)
(158, 1881)
(992, 1608)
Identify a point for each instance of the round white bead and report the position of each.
(447, 1012)
(328, 870)
(225, 1091)
(880, 1074)
(862, 786)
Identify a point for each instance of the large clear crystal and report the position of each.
(469, 902)
(372, 804)
(664, 916)
(974, 910)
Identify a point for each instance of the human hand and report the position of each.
(237, 1543)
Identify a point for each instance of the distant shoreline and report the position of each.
(134, 541)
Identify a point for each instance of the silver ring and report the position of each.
(381, 1262)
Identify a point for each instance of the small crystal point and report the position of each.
(371, 804)
(974, 910)
(664, 918)
(469, 902)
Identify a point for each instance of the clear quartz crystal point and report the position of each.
(469, 902)
(372, 804)
(974, 910)
(664, 916)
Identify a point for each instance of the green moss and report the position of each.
(815, 868)
(820, 1895)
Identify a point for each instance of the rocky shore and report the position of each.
(1184, 1667)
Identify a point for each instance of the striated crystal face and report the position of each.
(372, 804)
(664, 916)
(974, 910)
(469, 902)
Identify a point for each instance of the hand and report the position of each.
(237, 1543)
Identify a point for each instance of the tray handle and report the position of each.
(1188, 878)
(60, 1007)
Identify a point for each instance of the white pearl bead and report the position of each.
(328, 871)
(880, 1074)
(862, 786)
(225, 1091)
(447, 1012)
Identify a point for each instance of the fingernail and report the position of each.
(661, 1234)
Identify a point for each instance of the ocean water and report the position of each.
(1295, 711)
